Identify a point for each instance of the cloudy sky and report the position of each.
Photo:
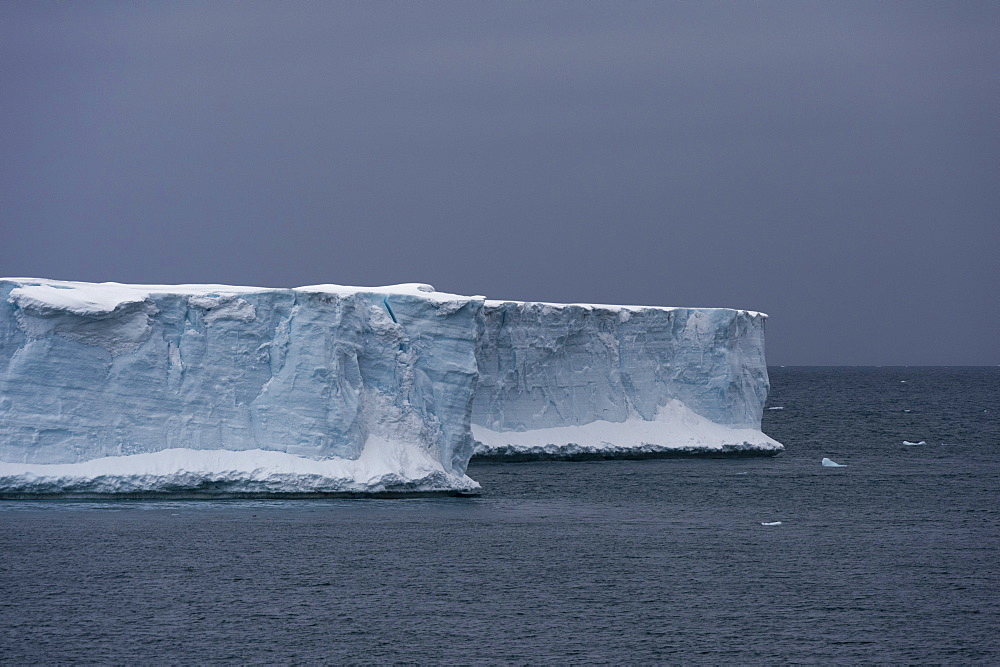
(834, 164)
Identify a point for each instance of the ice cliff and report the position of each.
(219, 390)
(589, 381)
(231, 390)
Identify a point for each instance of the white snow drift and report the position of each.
(382, 467)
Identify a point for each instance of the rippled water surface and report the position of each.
(890, 559)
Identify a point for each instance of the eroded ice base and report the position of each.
(676, 431)
(384, 467)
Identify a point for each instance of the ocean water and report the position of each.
(893, 558)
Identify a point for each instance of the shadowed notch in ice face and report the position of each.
(545, 368)
(91, 371)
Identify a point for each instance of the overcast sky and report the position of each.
(835, 164)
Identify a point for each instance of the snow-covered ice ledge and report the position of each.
(383, 468)
(676, 431)
(216, 390)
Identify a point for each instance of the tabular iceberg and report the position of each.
(588, 381)
(223, 390)
(227, 391)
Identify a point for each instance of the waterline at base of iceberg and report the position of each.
(574, 452)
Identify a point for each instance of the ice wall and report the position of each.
(93, 371)
(559, 380)
(220, 390)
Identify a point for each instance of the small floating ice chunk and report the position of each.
(914, 444)
(777, 407)
(827, 463)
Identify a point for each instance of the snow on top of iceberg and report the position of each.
(422, 290)
(98, 299)
(494, 303)
(82, 298)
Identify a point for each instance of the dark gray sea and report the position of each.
(894, 558)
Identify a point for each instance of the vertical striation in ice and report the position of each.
(554, 379)
(92, 371)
